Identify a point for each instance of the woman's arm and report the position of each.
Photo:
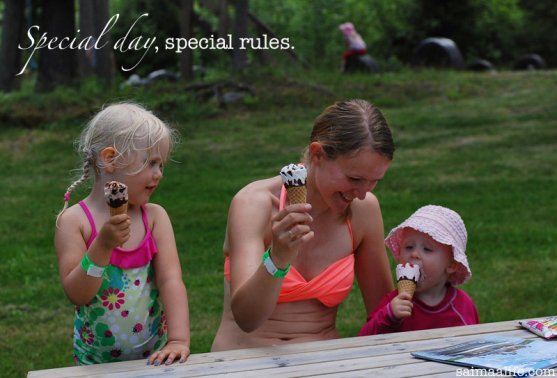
(251, 227)
(371, 262)
(173, 294)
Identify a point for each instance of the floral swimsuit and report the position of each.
(125, 320)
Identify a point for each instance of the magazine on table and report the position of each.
(500, 354)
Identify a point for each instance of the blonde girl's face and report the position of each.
(435, 259)
(144, 173)
(346, 178)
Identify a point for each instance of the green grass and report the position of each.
(484, 145)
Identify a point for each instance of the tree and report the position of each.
(240, 31)
(57, 66)
(10, 54)
(186, 31)
(86, 58)
(93, 16)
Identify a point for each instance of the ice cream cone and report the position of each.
(406, 286)
(407, 275)
(118, 210)
(294, 179)
(297, 194)
(116, 195)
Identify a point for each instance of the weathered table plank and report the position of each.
(380, 355)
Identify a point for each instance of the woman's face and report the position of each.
(347, 177)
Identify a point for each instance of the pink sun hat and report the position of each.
(444, 226)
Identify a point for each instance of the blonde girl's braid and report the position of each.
(86, 169)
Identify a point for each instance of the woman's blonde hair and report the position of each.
(128, 128)
(347, 126)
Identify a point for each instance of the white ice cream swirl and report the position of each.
(293, 175)
(408, 271)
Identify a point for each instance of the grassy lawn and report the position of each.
(484, 145)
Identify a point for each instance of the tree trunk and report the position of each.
(10, 54)
(57, 66)
(93, 16)
(240, 31)
(86, 58)
(223, 18)
(186, 31)
(105, 56)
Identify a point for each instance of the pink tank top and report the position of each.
(127, 259)
(330, 287)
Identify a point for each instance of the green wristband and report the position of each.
(271, 267)
(91, 268)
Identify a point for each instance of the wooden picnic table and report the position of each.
(385, 355)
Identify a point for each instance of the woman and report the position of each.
(337, 234)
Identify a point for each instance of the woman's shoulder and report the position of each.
(260, 192)
(366, 218)
(367, 207)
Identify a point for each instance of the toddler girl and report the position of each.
(122, 272)
(434, 238)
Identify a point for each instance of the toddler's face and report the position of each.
(435, 259)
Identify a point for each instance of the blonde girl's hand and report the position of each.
(115, 232)
(172, 351)
(401, 305)
(291, 229)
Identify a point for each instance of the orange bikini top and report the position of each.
(330, 287)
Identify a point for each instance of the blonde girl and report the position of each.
(122, 272)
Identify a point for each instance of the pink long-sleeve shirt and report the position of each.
(456, 309)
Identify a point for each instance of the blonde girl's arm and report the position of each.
(173, 295)
(71, 249)
(371, 262)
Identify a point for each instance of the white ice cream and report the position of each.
(408, 271)
(294, 175)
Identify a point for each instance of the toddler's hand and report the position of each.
(401, 305)
(116, 231)
(171, 351)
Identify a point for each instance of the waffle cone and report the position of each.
(123, 209)
(297, 194)
(407, 286)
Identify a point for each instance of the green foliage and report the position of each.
(28, 109)
(539, 29)
(160, 23)
(482, 144)
(497, 30)
(393, 29)
(481, 29)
